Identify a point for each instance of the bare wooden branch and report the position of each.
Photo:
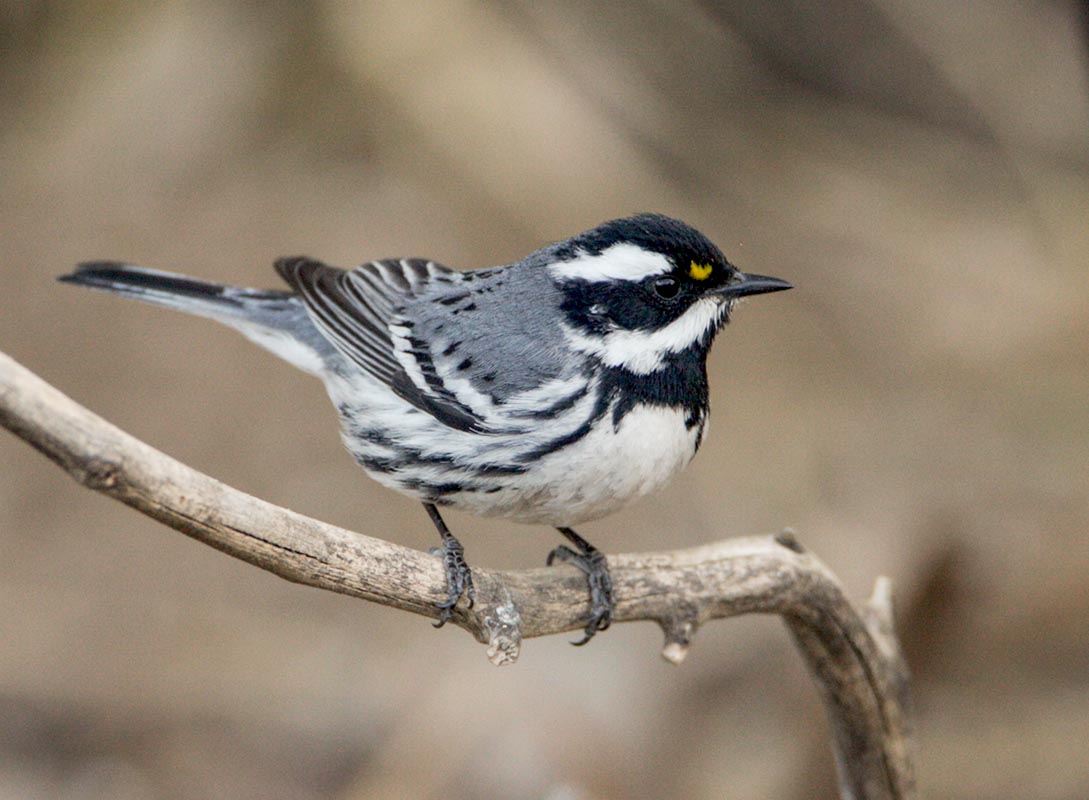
(853, 653)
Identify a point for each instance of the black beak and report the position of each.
(744, 284)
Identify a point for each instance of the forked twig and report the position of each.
(852, 652)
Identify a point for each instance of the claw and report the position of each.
(459, 578)
(592, 562)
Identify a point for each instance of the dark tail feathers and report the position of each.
(117, 277)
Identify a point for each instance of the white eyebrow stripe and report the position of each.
(622, 261)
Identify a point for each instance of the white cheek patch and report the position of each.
(621, 262)
(643, 352)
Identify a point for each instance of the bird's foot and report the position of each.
(459, 578)
(592, 562)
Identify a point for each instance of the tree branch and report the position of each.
(853, 653)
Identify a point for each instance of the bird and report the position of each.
(551, 391)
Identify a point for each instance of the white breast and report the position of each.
(599, 474)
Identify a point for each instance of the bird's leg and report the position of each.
(591, 561)
(459, 578)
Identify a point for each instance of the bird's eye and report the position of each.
(666, 288)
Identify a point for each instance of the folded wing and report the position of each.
(356, 311)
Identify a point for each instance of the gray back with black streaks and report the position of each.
(499, 328)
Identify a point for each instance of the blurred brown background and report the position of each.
(916, 407)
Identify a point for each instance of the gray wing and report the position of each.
(356, 311)
(495, 334)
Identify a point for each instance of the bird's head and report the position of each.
(638, 289)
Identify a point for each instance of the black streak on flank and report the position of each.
(604, 398)
(378, 463)
(411, 457)
(699, 434)
(682, 384)
(438, 489)
(561, 405)
(464, 365)
(467, 307)
(453, 348)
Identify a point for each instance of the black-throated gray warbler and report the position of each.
(550, 391)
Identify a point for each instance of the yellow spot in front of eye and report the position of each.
(699, 272)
